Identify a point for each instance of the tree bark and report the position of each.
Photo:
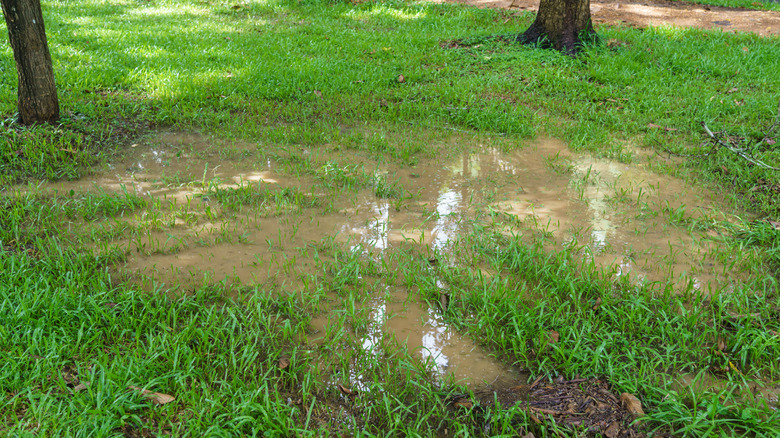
(37, 92)
(563, 25)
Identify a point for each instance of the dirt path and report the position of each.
(661, 12)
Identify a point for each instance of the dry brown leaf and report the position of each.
(401, 79)
(597, 304)
(554, 336)
(529, 435)
(444, 300)
(318, 93)
(774, 224)
(463, 403)
(721, 343)
(654, 126)
(284, 363)
(733, 90)
(613, 430)
(81, 386)
(632, 404)
(157, 398)
(346, 391)
(770, 141)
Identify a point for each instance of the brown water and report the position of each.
(619, 214)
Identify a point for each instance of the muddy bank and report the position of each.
(221, 211)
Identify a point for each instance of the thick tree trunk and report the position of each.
(562, 25)
(37, 92)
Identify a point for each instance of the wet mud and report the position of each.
(623, 217)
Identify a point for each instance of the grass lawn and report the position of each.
(347, 108)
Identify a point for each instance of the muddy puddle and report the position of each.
(396, 317)
(622, 217)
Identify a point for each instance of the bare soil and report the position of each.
(660, 13)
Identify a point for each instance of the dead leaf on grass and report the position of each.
(774, 224)
(318, 93)
(721, 343)
(401, 79)
(654, 126)
(284, 363)
(346, 391)
(464, 403)
(554, 336)
(81, 386)
(157, 398)
(632, 404)
(597, 304)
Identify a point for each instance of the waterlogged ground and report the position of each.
(228, 211)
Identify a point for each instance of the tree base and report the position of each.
(570, 42)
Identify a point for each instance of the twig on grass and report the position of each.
(718, 141)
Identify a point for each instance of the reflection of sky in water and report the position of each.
(434, 335)
(447, 226)
(600, 223)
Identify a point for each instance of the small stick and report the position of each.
(721, 143)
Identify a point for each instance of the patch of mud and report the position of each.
(398, 317)
(622, 217)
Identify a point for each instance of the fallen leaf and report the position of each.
(109, 304)
(770, 141)
(401, 79)
(740, 102)
(157, 398)
(444, 300)
(745, 49)
(613, 430)
(554, 336)
(346, 391)
(774, 224)
(670, 129)
(529, 435)
(654, 126)
(284, 363)
(463, 403)
(597, 304)
(733, 90)
(632, 404)
(318, 93)
(81, 386)
(721, 343)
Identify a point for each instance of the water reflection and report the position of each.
(615, 210)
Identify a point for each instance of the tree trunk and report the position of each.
(37, 92)
(562, 25)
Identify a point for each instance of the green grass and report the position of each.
(317, 88)
(296, 73)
